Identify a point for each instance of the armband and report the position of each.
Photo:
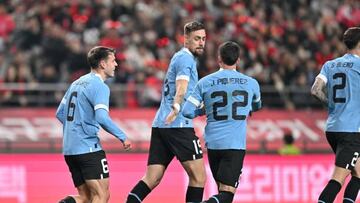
(176, 107)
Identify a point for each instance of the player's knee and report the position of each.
(196, 173)
(227, 188)
(152, 180)
(107, 195)
(85, 199)
(68, 199)
(102, 194)
(197, 179)
(202, 178)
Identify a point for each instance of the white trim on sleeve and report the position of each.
(323, 77)
(182, 77)
(194, 101)
(101, 106)
(256, 100)
(63, 101)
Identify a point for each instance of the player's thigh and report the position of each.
(94, 166)
(356, 171)
(332, 138)
(348, 150)
(214, 161)
(183, 143)
(230, 167)
(75, 170)
(159, 152)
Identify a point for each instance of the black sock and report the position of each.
(138, 193)
(68, 199)
(194, 194)
(222, 197)
(352, 190)
(330, 191)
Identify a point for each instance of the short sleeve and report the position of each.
(257, 94)
(100, 97)
(184, 65)
(195, 96)
(324, 72)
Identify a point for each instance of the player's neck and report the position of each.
(99, 73)
(355, 52)
(227, 67)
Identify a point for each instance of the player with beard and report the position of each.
(173, 134)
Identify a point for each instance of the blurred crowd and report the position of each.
(284, 43)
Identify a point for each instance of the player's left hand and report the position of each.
(171, 117)
(127, 145)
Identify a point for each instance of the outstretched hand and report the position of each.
(127, 145)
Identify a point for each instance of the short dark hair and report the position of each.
(288, 138)
(98, 53)
(351, 37)
(193, 26)
(229, 52)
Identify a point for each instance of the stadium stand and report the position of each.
(43, 46)
(283, 44)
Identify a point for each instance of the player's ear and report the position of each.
(102, 64)
(186, 39)
(238, 61)
(219, 61)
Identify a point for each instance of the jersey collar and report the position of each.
(98, 75)
(357, 56)
(226, 69)
(188, 51)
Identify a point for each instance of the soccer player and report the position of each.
(337, 86)
(227, 96)
(172, 134)
(83, 109)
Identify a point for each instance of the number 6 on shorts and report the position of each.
(104, 165)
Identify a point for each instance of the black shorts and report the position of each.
(169, 142)
(346, 147)
(226, 165)
(87, 166)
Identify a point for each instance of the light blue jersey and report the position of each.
(84, 106)
(182, 66)
(342, 78)
(228, 97)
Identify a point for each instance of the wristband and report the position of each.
(176, 107)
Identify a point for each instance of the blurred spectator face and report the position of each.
(10, 74)
(195, 42)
